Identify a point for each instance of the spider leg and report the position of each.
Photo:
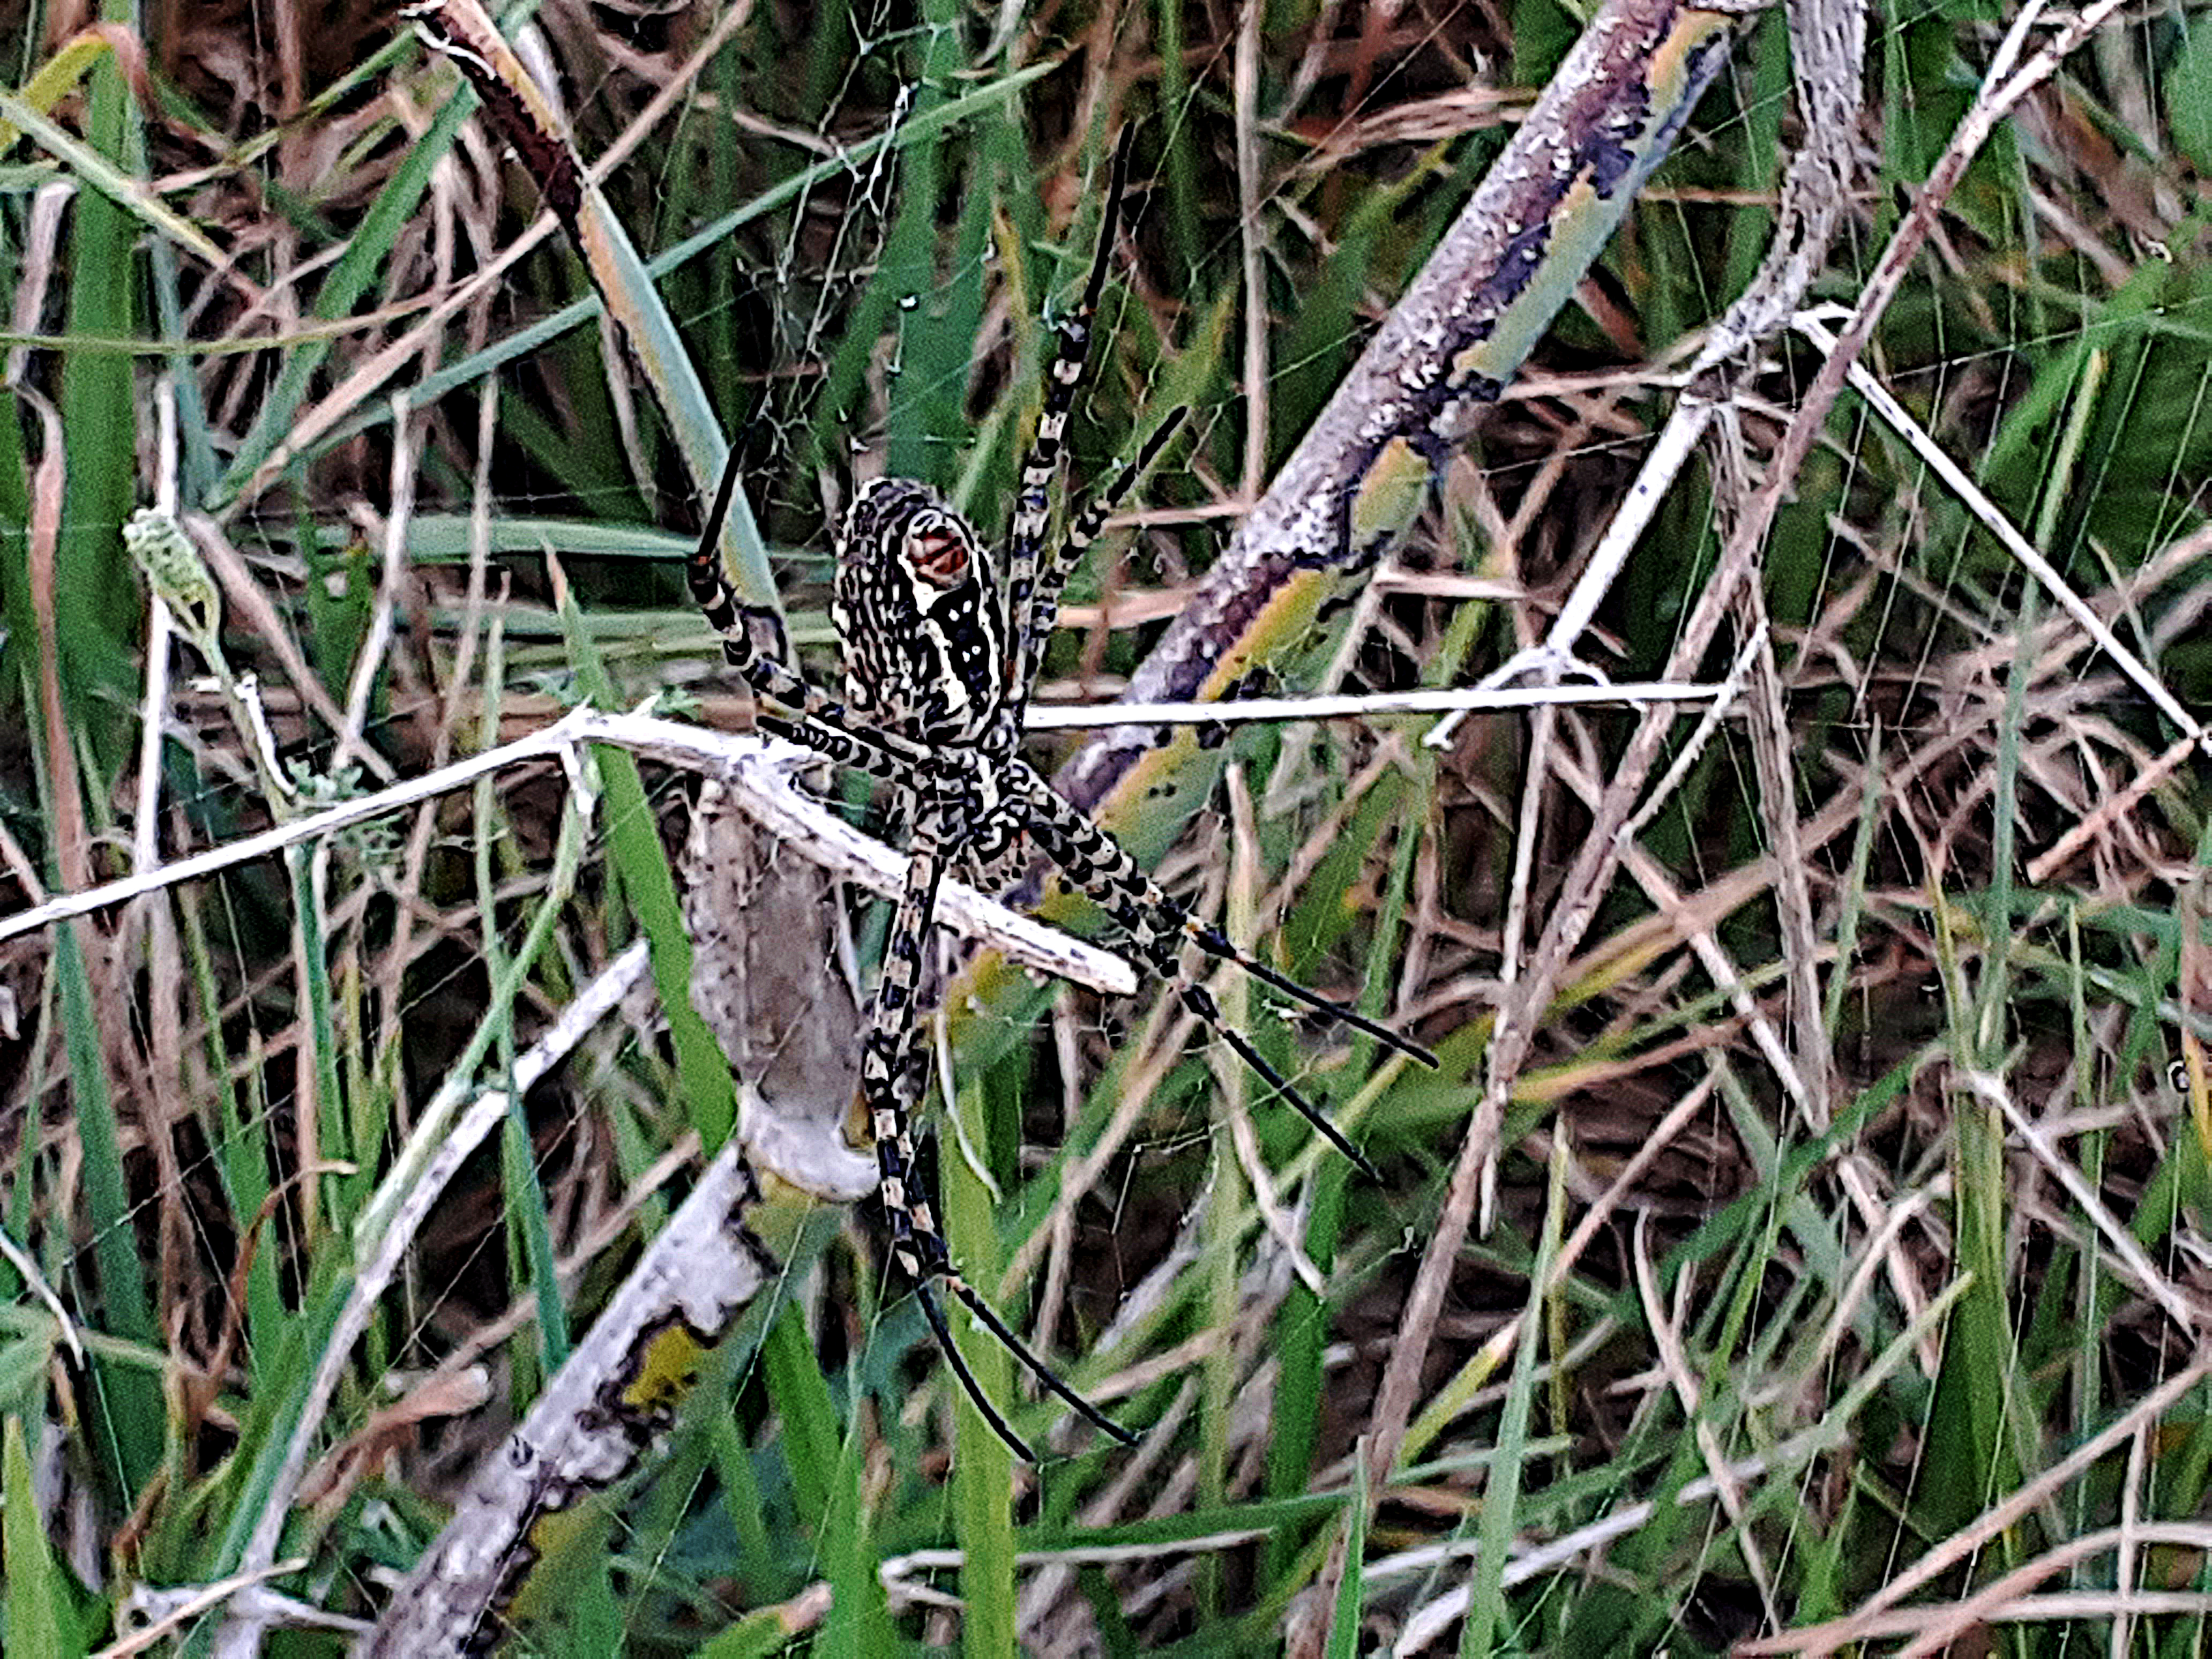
(1025, 534)
(1200, 1002)
(1155, 922)
(753, 643)
(969, 1382)
(1101, 864)
(864, 751)
(886, 1068)
(986, 1317)
(1083, 528)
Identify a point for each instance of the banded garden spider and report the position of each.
(937, 669)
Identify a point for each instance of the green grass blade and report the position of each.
(366, 249)
(640, 863)
(857, 1625)
(248, 1153)
(95, 601)
(1351, 1598)
(131, 1408)
(813, 1432)
(1501, 1496)
(982, 1466)
(41, 1624)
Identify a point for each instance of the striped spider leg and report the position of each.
(938, 665)
(945, 804)
(1032, 515)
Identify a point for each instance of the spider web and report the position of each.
(1896, 588)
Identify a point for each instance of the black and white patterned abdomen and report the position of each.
(919, 616)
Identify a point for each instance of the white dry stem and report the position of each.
(1990, 1090)
(1554, 658)
(369, 667)
(1992, 517)
(762, 774)
(1485, 699)
(34, 1277)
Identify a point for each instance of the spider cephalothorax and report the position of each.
(920, 617)
(938, 665)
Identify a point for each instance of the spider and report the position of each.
(938, 662)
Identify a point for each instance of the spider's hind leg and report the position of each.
(1157, 924)
(887, 1084)
(1096, 862)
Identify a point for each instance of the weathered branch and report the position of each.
(1363, 471)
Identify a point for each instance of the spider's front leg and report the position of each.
(1032, 514)
(889, 1085)
(753, 643)
(1084, 525)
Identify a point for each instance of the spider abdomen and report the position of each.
(920, 621)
